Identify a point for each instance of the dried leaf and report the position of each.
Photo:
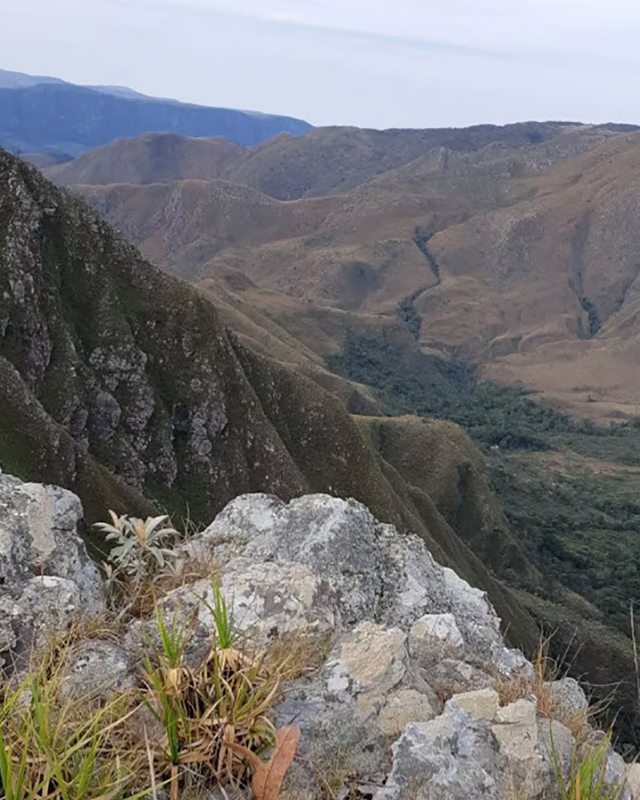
(268, 777)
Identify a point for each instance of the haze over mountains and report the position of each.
(42, 115)
(513, 248)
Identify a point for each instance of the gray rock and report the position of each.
(264, 602)
(567, 700)
(371, 570)
(440, 629)
(452, 757)
(97, 668)
(39, 536)
(556, 744)
(46, 576)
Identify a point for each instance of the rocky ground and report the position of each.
(413, 693)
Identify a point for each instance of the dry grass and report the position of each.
(66, 749)
(536, 684)
(177, 729)
(208, 711)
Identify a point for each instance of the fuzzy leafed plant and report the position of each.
(141, 549)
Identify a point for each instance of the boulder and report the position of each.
(97, 668)
(363, 569)
(567, 701)
(46, 576)
(452, 757)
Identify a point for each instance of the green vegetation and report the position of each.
(587, 775)
(410, 382)
(212, 718)
(570, 491)
(592, 312)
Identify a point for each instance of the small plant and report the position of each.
(140, 544)
(141, 554)
(211, 714)
(587, 774)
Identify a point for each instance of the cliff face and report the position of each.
(122, 384)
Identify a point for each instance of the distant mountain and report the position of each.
(47, 115)
(20, 80)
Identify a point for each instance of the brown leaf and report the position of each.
(268, 777)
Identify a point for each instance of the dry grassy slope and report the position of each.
(323, 161)
(151, 158)
(353, 251)
(535, 263)
(525, 240)
(122, 383)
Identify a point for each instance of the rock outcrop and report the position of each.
(404, 700)
(46, 576)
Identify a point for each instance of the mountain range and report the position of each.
(51, 120)
(347, 286)
(513, 248)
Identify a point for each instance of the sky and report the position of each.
(373, 63)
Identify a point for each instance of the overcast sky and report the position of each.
(379, 63)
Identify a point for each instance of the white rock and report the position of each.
(370, 659)
(632, 780)
(440, 628)
(402, 707)
(481, 704)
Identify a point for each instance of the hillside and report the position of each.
(122, 384)
(65, 119)
(495, 236)
(420, 281)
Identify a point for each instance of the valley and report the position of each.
(456, 274)
(359, 299)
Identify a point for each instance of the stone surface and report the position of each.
(436, 628)
(632, 778)
(39, 536)
(556, 742)
(516, 730)
(452, 757)
(46, 576)
(567, 700)
(371, 570)
(370, 659)
(402, 635)
(97, 667)
(481, 704)
(402, 707)
(265, 601)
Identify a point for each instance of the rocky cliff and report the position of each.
(412, 695)
(122, 384)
